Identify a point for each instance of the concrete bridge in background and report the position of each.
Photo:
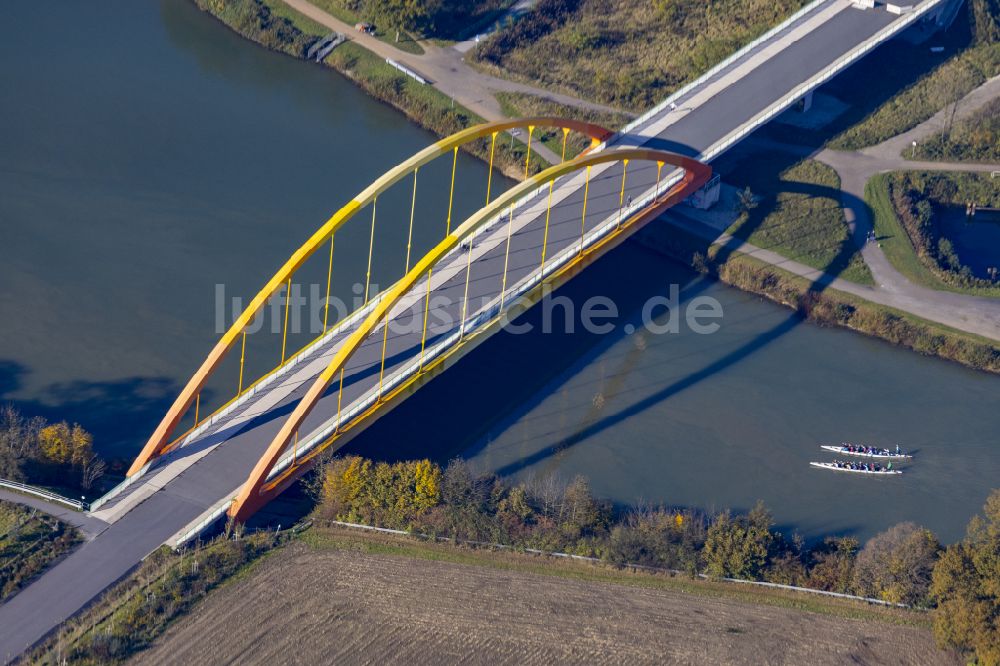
(487, 268)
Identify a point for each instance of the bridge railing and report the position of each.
(260, 486)
(838, 65)
(162, 440)
(478, 320)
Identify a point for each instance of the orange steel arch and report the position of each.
(160, 439)
(257, 490)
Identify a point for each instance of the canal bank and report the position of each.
(289, 31)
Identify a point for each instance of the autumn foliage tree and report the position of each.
(966, 587)
(833, 565)
(35, 451)
(895, 565)
(738, 546)
(389, 494)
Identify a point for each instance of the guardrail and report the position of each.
(490, 311)
(704, 78)
(44, 494)
(406, 70)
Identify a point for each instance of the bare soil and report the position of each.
(353, 599)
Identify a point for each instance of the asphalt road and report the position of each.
(246, 433)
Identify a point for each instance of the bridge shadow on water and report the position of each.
(509, 375)
(118, 413)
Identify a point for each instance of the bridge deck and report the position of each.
(215, 463)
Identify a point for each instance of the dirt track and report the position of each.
(308, 605)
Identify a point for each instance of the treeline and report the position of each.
(34, 451)
(905, 564)
(457, 503)
(920, 199)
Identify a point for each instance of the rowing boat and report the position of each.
(880, 472)
(861, 454)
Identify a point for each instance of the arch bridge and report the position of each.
(484, 270)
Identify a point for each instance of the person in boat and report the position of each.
(897, 449)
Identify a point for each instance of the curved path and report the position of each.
(974, 314)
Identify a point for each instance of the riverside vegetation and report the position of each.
(274, 25)
(800, 217)
(55, 455)
(904, 564)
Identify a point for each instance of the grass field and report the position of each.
(899, 249)
(973, 139)
(29, 542)
(344, 597)
(798, 213)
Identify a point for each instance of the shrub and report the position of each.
(896, 565)
(738, 547)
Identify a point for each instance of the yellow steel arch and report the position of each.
(160, 438)
(251, 495)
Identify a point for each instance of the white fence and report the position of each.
(641, 567)
(406, 70)
(44, 494)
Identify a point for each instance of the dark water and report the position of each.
(977, 243)
(148, 154)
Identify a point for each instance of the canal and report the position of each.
(147, 155)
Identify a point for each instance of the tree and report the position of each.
(966, 586)
(18, 442)
(746, 200)
(580, 512)
(739, 547)
(833, 565)
(389, 494)
(895, 565)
